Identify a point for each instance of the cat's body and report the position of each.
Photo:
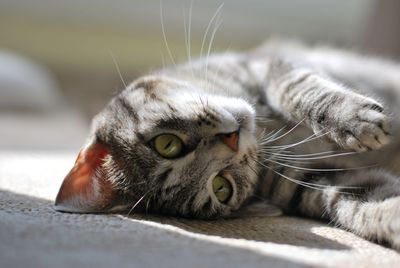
(224, 115)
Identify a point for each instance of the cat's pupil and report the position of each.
(168, 145)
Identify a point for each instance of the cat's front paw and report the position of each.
(358, 123)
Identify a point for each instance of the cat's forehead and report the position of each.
(153, 88)
(151, 98)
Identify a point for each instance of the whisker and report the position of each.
(287, 132)
(315, 169)
(190, 30)
(208, 29)
(186, 30)
(164, 35)
(301, 158)
(262, 120)
(292, 154)
(314, 186)
(148, 202)
(271, 135)
(293, 161)
(302, 183)
(308, 139)
(185, 34)
(137, 203)
(217, 25)
(264, 117)
(117, 67)
(283, 147)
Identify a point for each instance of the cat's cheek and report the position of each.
(86, 187)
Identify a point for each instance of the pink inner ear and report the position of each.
(85, 188)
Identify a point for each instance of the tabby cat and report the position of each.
(301, 127)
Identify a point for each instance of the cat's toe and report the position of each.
(351, 142)
(371, 128)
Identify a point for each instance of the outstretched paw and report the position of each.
(358, 123)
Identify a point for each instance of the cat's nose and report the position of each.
(231, 140)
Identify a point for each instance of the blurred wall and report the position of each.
(76, 38)
(383, 35)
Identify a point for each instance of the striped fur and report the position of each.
(332, 102)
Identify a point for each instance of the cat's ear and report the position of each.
(86, 187)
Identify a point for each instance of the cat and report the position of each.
(302, 127)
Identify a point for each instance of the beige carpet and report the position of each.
(33, 234)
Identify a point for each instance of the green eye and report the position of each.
(168, 145)
(222, 189)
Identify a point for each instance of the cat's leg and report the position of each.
(372, 76)
(364, 202)
(299, 92)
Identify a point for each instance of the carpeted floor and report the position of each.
(33, 234)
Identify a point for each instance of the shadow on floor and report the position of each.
(39, 236)
(281, 230)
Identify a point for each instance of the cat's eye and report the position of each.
(168, 145)
(222, 189)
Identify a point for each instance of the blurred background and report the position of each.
(58, 59)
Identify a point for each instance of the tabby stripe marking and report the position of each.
(295, 202)
(292, 85)
(128, 108)
(163, 176)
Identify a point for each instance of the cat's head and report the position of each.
(165, 146)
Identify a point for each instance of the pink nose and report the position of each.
(231, 140)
